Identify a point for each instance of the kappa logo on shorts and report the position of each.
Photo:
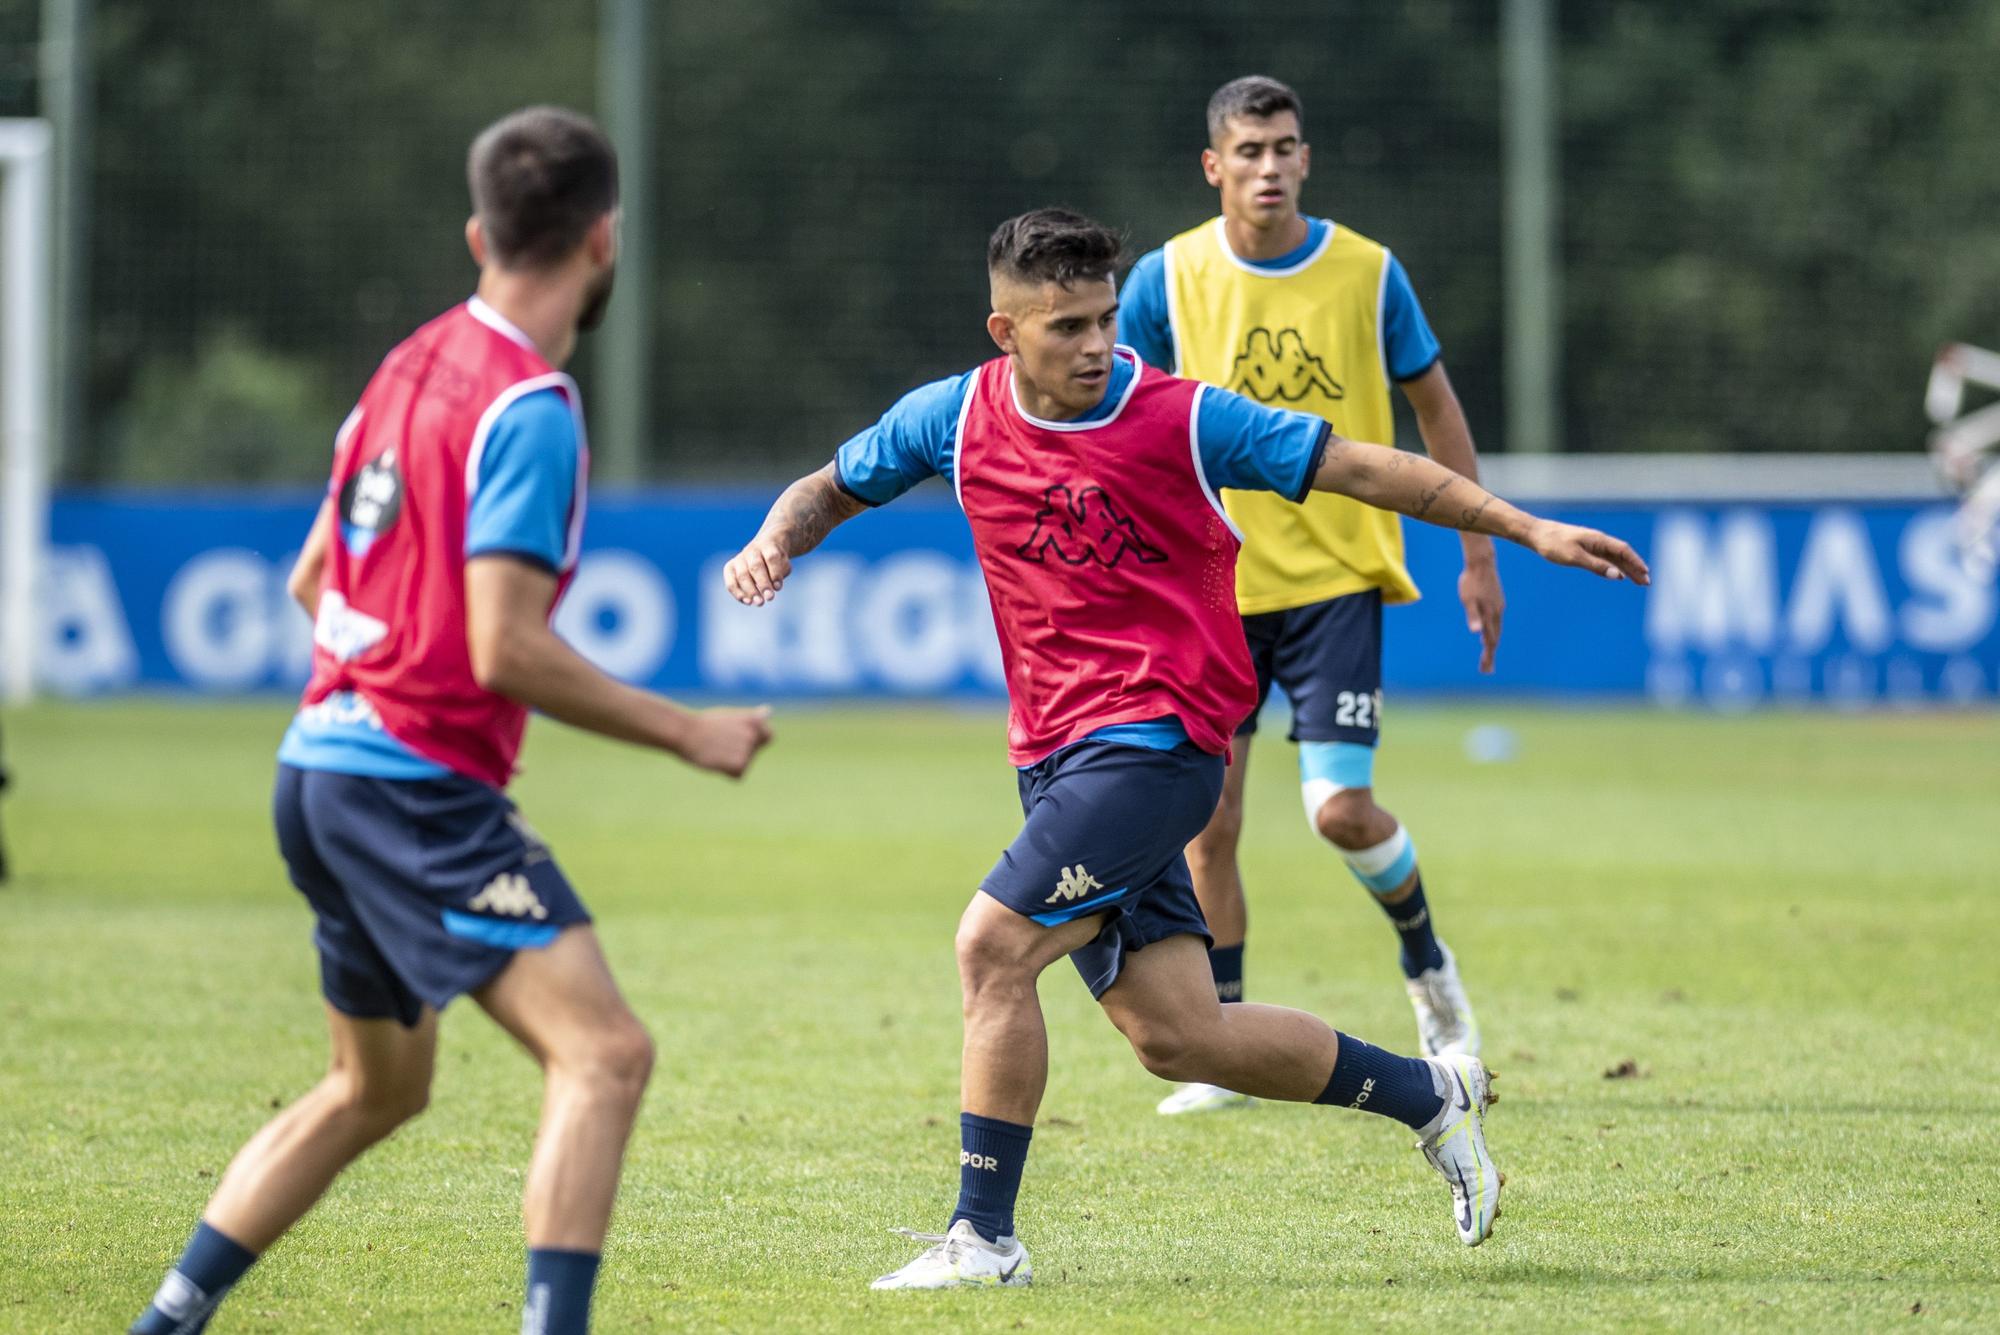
(510, 896)
(1085, 526)
(1283, 369)
(1075, 884)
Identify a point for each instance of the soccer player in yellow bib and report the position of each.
(1301, 313)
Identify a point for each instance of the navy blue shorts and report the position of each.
(1106, 828)
(424, 888)
(1328, 658)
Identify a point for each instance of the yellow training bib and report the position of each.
(1307, 337)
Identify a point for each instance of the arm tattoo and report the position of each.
(810, 509)
(1429, 497)
(1469, 518)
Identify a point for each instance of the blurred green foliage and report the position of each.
(1773, 210)
(218, 416)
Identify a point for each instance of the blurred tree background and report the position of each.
(1772, 210)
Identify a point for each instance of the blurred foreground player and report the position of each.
(1300, 312)
(1089, 480)
(450, 529)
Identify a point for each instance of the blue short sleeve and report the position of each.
(1408, 345)
(1143, 325)
(913, 441)
(1250, 447)
(525, 486)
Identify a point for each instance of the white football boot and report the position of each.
(1445, 1022)
(1200, 1098)
(1455, 1144)
(961, 1258)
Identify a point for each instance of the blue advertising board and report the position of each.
(1848, 602)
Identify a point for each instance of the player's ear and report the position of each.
(602, 238)
(475, 241)
(1211, 167)
(1305, 161)
(1001, 328)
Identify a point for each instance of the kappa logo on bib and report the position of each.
(1085, 526)
(1281, 369)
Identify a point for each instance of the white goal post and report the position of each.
(25, 394)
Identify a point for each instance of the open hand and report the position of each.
(755, 574)
(725, 740)
(1587, 549)
(1485, 604)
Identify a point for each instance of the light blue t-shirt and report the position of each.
(521, 507)
(1408, 345)
(1243, 445)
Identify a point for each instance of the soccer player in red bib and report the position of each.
(1089, 480)
(450, 529)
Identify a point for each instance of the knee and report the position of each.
(1349, 819)
(378, 1106)
(988, 965)
(627, 1055)
(1167, 1050)
(616, 1063)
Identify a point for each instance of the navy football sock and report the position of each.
(198, 1281)
(1412, 921)
(1372, 1080)
(991, 1156)
(559, 1287)
(1226, 963)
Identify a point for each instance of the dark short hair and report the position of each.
(1053, 246)
(1257, 96)
(540, 178)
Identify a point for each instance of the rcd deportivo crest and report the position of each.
(370, 502)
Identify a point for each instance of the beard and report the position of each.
(597, 301)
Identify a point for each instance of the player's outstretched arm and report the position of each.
(1424, 489)
(808, 510)
(515, 653)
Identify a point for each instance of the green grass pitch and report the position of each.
(1789, 924)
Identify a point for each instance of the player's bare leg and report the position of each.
(1218, 886)
(379, 1077)
(1164, 1002)
(1003, 1071)
(1005, 1065)
(1379, 853)
(1164, 1005)
(1351, 820)
(1218, 877)
(564, 1007)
